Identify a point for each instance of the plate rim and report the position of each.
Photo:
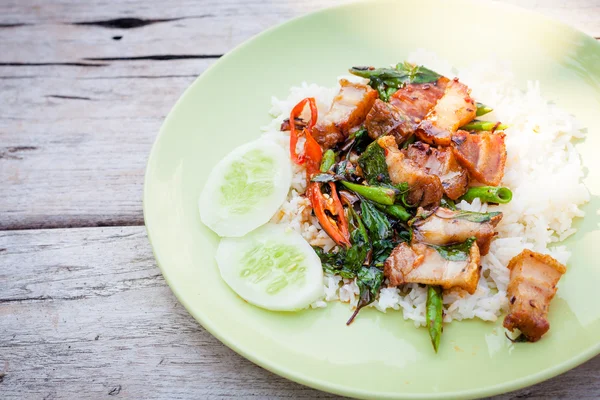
(301, 378)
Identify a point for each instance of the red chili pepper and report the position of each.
(334, 222)
(312, 150)
(313, 154)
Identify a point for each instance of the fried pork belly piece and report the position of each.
(483, 154)
(386, 119)
(445, 226)
(349, 109)
(455, 109)
(424, 189)
(443, 164)
(420, 263)
(416, 99)
(533, 279)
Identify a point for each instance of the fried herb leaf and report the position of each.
(380, 231)
(357, 141)
(333, 263)
(455, 252)
(406, 236)
(382, 250)
(346, 169)
(376, 222)
(347, 262)
(388, 80)
(369, 280)
(373, 165)
(357, 253)
(475, 216)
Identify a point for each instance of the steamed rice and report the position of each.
(539, 154)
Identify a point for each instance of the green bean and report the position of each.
(482, 109)
(377, 194)
(396, 211)
(328, 160)
(434, 314)
(476, 125)
(488, 194)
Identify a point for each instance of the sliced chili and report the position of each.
(312, 150)
(329, 211)
(334, 222)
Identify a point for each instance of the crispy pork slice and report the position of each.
(420, 263)
(442, 163)
(386, 119)
(424, 189)
(533, 279)
(416, 99)
(483, 154)
(455, 109)
(402, 260)
(445, 226)
(349, 109)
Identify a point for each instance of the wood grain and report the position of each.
(87, 311)
(81, 162)
(84, 87)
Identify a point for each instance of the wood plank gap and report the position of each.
(159, 57)
(132, 23)
(69, 222)
(47, 64)
(15, 25)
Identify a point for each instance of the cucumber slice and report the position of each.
(272, 267)
(246, 188)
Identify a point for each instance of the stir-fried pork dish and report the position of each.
(386, 164)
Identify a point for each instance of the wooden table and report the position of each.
(84, 311)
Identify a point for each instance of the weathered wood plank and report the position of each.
(84, 87)
(91, 36)
(87, 311)
(81, 162)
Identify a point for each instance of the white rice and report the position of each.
(539, 154)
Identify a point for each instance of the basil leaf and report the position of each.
(375, 221)
(373, 165)
(355, 256)
(369, 280)
(388, 80)
(475, 216)
(455, 252)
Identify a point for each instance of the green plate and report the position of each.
(380, 355)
